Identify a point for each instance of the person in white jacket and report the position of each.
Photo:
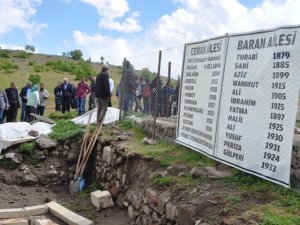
(33, 102)
(44, 95)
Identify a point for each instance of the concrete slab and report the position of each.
(36, 210)
(45, 222)
(12, 213)
(66, 215)
(18, 221)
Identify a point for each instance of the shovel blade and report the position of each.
(74, 186)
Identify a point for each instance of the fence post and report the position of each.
(121, 90)
(169, 72)
(156, 94)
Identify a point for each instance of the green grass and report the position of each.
(165, 152)
(65, 130)
(59, 116)
(27, 148)
(271, 217)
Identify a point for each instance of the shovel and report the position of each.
(77, 184)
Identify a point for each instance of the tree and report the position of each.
(102, 60)
(76, 54)
(147, 74)
(29, 48)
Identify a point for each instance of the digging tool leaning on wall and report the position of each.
(102, 92)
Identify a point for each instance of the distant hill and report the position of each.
(30, 64)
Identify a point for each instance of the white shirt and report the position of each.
(111, 85)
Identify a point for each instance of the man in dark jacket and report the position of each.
(102, 92)
(57, 94)
(13, 100)
(66, 95)
(24, 94)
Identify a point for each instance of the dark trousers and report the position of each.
(65, 103)
(30, 109)
(102, 108)
(40, 110)
(57, 104)
(92, 101)
(12, 112)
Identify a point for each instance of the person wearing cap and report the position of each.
(32, 102)
(102, 92)
(24, 97)
(13, 101)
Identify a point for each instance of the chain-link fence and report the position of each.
(150, 84)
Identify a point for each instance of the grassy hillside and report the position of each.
(29, 65)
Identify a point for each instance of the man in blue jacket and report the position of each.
(24, 94)
(102, 92)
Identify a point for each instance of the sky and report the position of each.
(116, 29)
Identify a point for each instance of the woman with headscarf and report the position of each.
(33, 102)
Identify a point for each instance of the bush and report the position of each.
(22, 54)
(8, 66)
(65, 129)
(35, 79)
(4, 54)
(31, 63)
(27, 148)
(39, 68)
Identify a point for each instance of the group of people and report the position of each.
(69, 96)
(33, 100)
(149, 97)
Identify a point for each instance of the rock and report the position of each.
(171, 211)
(46, 143)
(101, 199)
(146, 209)
(55, 153)
(198, 172)
(107, 155)
(134, 198)
(149, 141)
(132, 213)
(213, 173)
(52, 173)
(122, 138)
(72, 157)
(30, 179)
(151, 197)
(19, 221)
(33, 133)
(162, 200)
(39, 155)
(186, 214)
(15, 157)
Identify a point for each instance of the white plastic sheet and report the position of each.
(15, 133)
(112, 115)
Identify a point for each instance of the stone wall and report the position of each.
(127, 177)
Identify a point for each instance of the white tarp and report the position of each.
(15, 133)
(112, 115)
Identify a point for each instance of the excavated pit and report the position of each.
(44, 176)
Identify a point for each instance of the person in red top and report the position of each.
(83, 90)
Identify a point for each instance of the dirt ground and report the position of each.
(13, 196)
